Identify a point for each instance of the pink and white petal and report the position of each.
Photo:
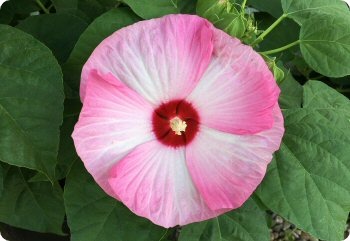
(161, 59)
(227, 168)
(153, 181)
(237, 92)
(113, 121)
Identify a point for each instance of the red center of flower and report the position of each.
(175, 123)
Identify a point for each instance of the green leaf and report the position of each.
(187, 6)
(31, 102)
(19, 8)
(273, 7)
(86, 9)
(244, 224)
(72, 7)
(36, 206)
(291, 93)
(17, 234)
(6, 13)
(98, 30)
(59, 32)
(148, 9)
(65, 5)
(66, 152)
(223, 15)
(1, 179)
(300, 11)
(325, 44)
(277, 72)
(299, 65)
(94, 8)
(94, 216)
(308, 182)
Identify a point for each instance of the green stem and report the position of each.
(243, 6)
(269, 29)
(273, 51)
(318, 77)
(41, 5)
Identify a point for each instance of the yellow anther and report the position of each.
(178, 125)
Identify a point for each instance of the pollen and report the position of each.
(178, 125)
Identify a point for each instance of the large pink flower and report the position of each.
(179, 119)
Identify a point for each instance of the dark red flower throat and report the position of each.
(175, 123)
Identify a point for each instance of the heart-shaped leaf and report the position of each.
(31, 102)
(60, 32)
(325, 44)
(244, 224)
(308, 182)
(37, 206)
(94, 216)
(301, 11)
(98, 30)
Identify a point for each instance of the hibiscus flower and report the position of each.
(179, 120)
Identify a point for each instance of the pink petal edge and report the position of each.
(237, 92)
(227, 168)
(153, 181)
(113, 121)
(161, 59)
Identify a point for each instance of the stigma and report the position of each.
(178, 125)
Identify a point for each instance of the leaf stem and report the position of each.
(243, 5)
(41, 5)
(273, 51)
(269, 29)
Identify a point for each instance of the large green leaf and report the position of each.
(273, 7)
(308, 182)
(60, 31)
(303, 10)
(1, 179)
(94, 216)
(66, 152)
(244, 224)
(291, 93)
(94, 8)
(65, 5)
(31, 102)
(187, 6)
(87, 9)
(152, 8)
(36, 206)
(98, 30)
(325, 44)
(148, 9)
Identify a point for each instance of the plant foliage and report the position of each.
(43, 185)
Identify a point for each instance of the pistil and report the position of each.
(178, 125)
